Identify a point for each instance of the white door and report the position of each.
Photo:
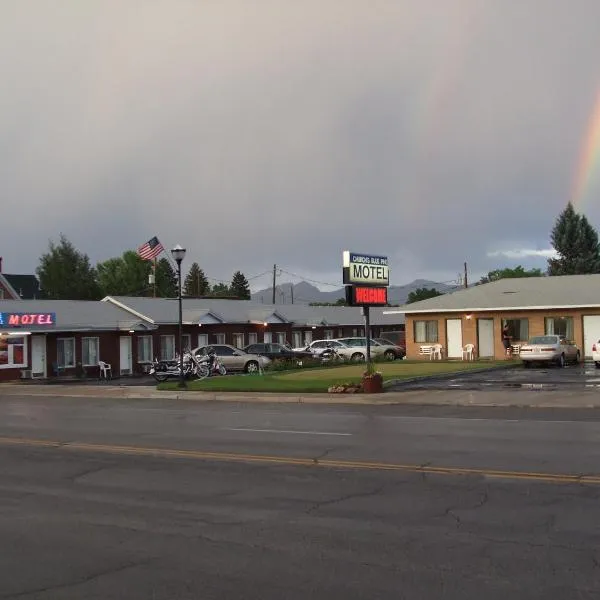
(454, 337)
(591, 333)
(38, 356)
(485, 338)
(125, 366)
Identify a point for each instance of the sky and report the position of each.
(284, 132)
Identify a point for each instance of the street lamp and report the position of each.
(178, 254)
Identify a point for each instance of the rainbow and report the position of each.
(589, 161)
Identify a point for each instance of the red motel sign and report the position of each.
(367, 296)
(8, 319)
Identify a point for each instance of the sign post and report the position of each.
(366, 278)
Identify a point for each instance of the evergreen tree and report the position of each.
(508, 273)
(576, 243)
(422, 294)
(239, 286)
(124, 276)
(220, 290)
(66, 274)
(166, 279)
(196, 284)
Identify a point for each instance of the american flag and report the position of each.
(151, 249)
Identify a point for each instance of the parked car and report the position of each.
(378, 349)
(391, 351)
(319, 346)
(596, 354)
(549, 349)
(236, 359)
(278, 352)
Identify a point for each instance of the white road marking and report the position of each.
(285, 431)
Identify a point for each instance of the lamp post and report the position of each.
(178, 254)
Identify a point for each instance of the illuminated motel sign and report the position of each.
(18, 319)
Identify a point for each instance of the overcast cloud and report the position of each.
(262, 132)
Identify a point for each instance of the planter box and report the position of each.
(373, 384)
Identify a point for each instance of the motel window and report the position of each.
(307, 337)
(252, 338)
(202, 339)
(219, 338)
(518, 329)
(328, 334)
(559, 326)
(297, 339)
(13, 351)
(426, 331)
(238, 340)
(340, 333)
(167, 347)
(90, 350)
(281, 337)
(267, 337)
(144, 349)
(65, 352)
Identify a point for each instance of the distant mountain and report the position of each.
(305, 293)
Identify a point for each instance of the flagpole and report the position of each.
(155, 277)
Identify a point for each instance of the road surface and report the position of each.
(139, 499)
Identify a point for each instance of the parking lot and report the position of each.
(584, 375)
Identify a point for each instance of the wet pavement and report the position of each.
(584, 375)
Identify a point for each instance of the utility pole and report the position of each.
(466, 282)
(292, 292)
(274, 276)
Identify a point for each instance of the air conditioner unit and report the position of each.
(26, 374)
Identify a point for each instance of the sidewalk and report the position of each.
(531, 398)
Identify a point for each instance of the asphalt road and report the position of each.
(141, 499)
(551, 378)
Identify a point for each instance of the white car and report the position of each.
(319, 346)
(549, 349)
(596, 354)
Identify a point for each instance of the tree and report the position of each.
(338, 302)
(576, 244)
(66, 274)
(239, 286)
(422, 294)
(220, 290)
(166, 280)
(508, 273)
(196, 284)
(124, 276)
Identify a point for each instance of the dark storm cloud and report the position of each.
(284, 132)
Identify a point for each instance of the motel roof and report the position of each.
(214, 310)
(76, 315)
(530, 293)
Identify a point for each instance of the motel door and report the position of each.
(125, 367)
(485, 338)
(38, 356)
(454, 337)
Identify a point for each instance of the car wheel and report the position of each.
(251, 367)
(526, 364)
(597, 365)
(357, 357)
(561, 361)
(389, 355)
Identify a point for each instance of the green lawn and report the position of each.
(318, 380)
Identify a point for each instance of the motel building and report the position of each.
(568, 305)
(44, 339)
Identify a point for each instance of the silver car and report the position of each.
(549, 349)
(236, 359)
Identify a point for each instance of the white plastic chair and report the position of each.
(436, 352)
(105, 370)
(468, 352)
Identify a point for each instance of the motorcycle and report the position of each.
(330, 354)
(193, 367)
